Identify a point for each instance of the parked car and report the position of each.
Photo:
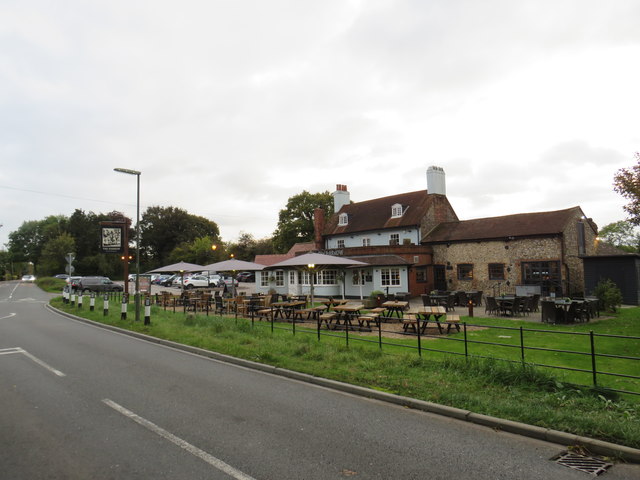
(195, 281)
(246, 277)
(168, 281)
(73, 282)
(229, 281)
(97, 284)
(28, 278)
(63, 276)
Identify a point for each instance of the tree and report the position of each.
(162, 229)
(26, 243)
(199, 251)
(621, 234)
(627, 184)
(247, 247)
(295, 221)
(52, 259)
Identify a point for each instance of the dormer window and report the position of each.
(343, 219)
(396, 210)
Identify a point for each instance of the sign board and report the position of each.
(112, 239)
(70, 269)
(145, 283)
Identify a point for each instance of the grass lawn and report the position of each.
(537, 396)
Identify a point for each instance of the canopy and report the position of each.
(318, 260)
(179, 267)
(232, 265)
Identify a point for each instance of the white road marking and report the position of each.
(7, 351)
(14, 289)
(210, 459)
(8, 316)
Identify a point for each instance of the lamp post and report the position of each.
(137, 292)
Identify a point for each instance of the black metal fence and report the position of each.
(587, 360)
(522, 345)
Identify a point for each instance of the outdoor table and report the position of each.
(334, 303)
(348, 311)
(395, 306)
(279, 309)
(438, 299)
(426, 313)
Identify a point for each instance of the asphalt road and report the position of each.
(81, 402)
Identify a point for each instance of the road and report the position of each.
(81, 402)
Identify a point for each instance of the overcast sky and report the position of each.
(229, 107)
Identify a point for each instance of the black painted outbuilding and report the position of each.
(623, 269)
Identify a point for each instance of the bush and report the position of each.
(608, 294)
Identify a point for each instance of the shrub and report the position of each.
(608, 294)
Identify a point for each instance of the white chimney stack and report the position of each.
(340, 197)
(436, 184)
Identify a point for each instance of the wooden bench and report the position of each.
(328, 319)
(311, 313)
(367, 319)
(453, 320)
(265, 313)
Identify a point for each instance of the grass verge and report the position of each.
(495, 388)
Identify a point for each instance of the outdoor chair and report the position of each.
(514, 308)
(219, 305)
(461, 299)
(426, 299)
(491, 306)
(450, 304)
(548, 311)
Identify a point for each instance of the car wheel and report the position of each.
(189, 287)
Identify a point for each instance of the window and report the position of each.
(394, 239)
(396, 210)
(340, 243)
(358, 278)
(545, 274)
(421, 274)
(465, 271)
(327, 277)
(264, 279)
(496, 271)
(390, 277)
(279, 278)
(292, 277)
(366, 242)
(582, 244)
(343, 219)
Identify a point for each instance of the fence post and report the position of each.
(593, 358)
(105, 305)
(319, 322)
(380, 333)
(294, 325)
(522, 345)
(346, 329)
(123, 308)
(147, 311)
(419, 342)
(466, 344)
(80, 301)
(92, 301)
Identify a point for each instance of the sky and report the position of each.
(230, 107)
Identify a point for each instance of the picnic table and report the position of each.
(346, 313)
(395, 306)
(422, 317)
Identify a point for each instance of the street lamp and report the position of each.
(137, 292)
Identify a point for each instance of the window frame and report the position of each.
(390, 277)
(462, 274)
(491, 272)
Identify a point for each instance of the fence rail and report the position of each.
(572, 360)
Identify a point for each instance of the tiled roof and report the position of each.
(297, 248)
(518, 225)
(376, 214)
(380, 260)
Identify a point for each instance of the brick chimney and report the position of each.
(318, 228)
